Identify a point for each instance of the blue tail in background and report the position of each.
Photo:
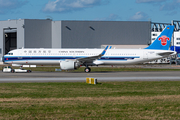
(163, 41)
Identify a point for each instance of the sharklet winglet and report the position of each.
(104, 51)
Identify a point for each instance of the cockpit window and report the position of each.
(10, 53)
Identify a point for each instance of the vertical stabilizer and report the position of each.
(163, 41)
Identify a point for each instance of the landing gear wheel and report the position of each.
(87, 70)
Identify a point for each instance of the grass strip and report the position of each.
(106, 100)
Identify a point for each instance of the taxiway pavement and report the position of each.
(81, 77)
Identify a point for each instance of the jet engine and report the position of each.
(69, 65)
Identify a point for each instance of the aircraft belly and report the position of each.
(38, 62)
(129, 61)
(120, 62)
(45, 62)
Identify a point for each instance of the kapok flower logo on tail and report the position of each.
(164, 40)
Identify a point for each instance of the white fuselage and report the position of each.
(55, 56)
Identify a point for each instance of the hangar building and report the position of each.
(34, 33)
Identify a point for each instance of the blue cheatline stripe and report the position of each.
(16, 58)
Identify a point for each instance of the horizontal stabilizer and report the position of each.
(166, 53)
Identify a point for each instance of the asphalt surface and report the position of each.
(81, 77)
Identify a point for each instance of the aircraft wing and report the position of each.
(92, 58)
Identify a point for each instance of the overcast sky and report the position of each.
(162, 11)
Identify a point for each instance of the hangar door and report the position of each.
(10, 39)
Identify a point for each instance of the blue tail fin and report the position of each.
(163, 41)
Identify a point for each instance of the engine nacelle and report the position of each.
(69, 65)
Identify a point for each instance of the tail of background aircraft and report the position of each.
(163, 41)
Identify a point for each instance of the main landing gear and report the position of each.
(87, 69)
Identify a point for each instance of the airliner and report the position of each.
(70, 59)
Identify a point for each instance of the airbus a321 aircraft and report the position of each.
(70, 59)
